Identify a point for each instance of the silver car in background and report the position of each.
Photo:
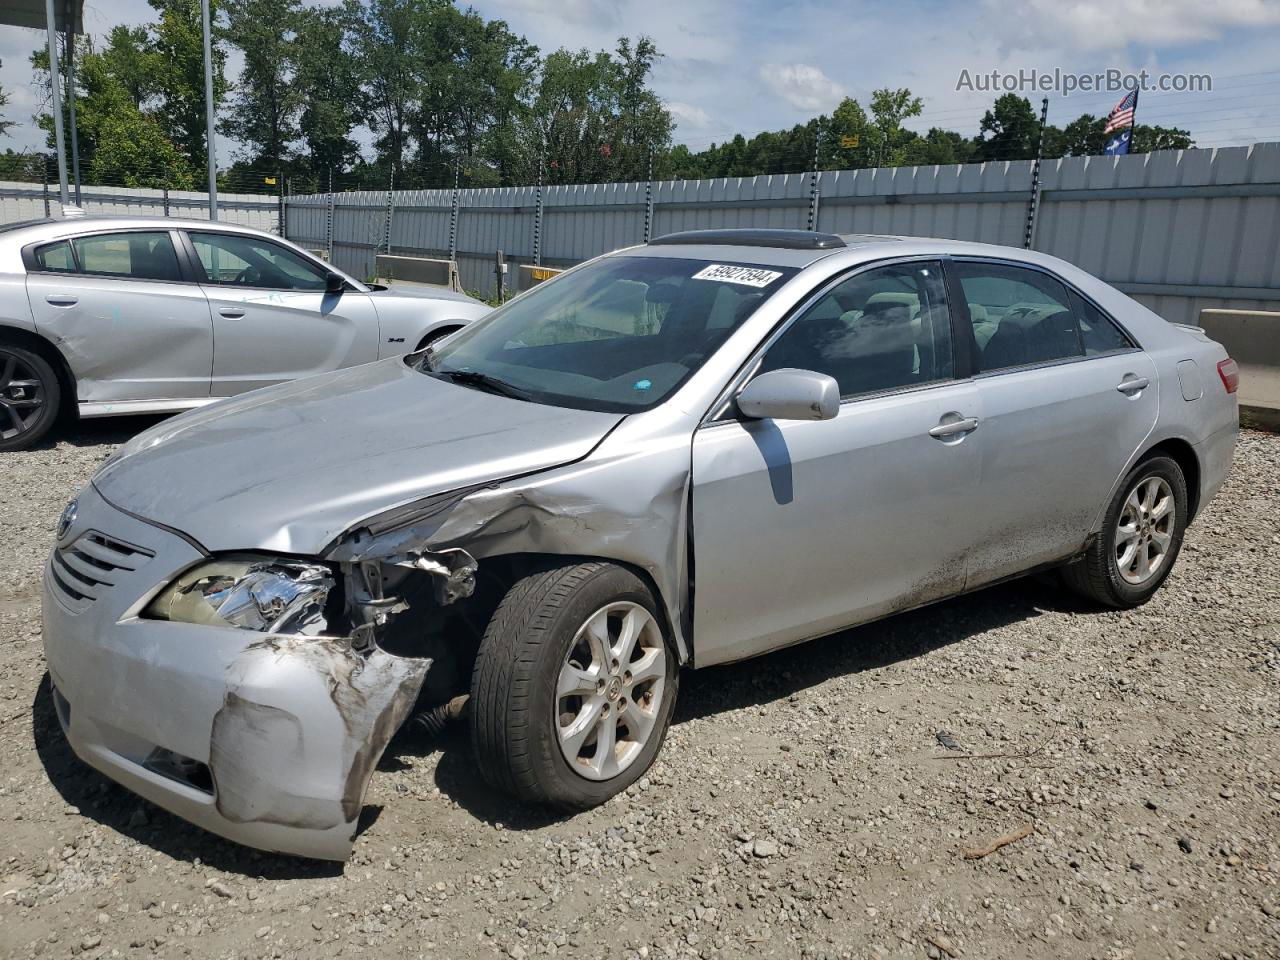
(677, 455)
(119, 315)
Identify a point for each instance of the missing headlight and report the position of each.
(265, 594)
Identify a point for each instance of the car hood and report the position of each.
(291, 467)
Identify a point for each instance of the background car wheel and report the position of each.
(30, 395)
(573, 687)
(1140, 539)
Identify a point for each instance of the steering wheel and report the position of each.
(249, 276)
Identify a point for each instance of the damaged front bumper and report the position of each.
(269, 741)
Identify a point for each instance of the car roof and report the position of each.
(855, 248)
(54, 227)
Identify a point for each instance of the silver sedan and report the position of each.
(673, 456)
(118, 315)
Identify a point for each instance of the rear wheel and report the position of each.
(29, 397)
(574, 686)
(1140, 539)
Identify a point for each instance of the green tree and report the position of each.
(264, 102)
(131, 58)
(889, 108)
(1010, 130)
(178, 45)
(4, 102)
(328, 86)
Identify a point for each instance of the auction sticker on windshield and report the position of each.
(747, 276)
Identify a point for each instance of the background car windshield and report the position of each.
(618, 335)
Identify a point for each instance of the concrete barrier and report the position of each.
(531, 276)
(420, 270)
(1252, 337)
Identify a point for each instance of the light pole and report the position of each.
(208, 110)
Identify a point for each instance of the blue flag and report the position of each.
(1118, 145)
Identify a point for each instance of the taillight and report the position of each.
(1229, 371)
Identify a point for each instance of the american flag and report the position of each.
(1122, 115)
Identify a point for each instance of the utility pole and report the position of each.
(70, 27)
(1033, 202)
(59, 137)
(208, 109)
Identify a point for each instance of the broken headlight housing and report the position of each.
(266, 594)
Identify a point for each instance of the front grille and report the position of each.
(91, 564)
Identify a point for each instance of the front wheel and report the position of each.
(574, 686)
(1140, 539)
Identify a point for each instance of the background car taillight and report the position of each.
(1229, 371)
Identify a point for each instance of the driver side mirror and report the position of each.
(790, 394)
(333, 283)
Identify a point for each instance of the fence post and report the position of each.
(44, 176)
(537, 216)
(1033, 202)
(391, 199)
(500, 272)
(165, 188)
(453, 215)
(328, 219)
(280, 224)
(648, 201)
(813, 180)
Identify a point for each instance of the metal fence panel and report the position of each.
(26, 201)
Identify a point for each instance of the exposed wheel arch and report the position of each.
(1184, 455)
(437, 334)
(46, 349)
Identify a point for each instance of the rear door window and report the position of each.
(137, 255)
(1019, 316)
(1098, 331)
(56, 257)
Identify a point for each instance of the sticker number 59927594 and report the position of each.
(747, 276)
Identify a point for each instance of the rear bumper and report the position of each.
(267, 741)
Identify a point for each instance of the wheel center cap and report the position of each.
(614, 690)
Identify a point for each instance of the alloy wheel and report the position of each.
(22, 396)
(609, 694)
(1144, 532)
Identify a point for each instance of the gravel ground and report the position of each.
(805, 804)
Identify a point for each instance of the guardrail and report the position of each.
(1252, 337)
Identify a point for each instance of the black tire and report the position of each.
(513, 709)
(1097, 575)
(30, 397)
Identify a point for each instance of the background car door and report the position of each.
(272, 319)
(1067, 400)
(800, 528)
(118, 307)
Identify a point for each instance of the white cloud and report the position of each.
(1109, 24)
(688, 116)
(802, 85)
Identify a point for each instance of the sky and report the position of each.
(732, 66)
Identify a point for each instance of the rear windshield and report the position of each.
(617, 335)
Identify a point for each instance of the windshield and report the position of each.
(617, 335)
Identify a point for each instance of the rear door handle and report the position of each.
(1132, 384)
(62, 299)
(231, 313)
(953, 428)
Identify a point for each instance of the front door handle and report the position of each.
(1132, 384)
(62, 299)
(231, 313)
(953, 428)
